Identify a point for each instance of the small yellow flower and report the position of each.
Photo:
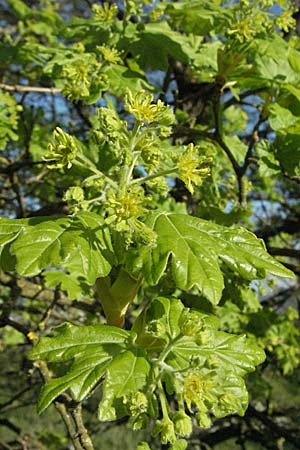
(32, 336)
(137, 403)
(192, 168)
(285, 21)
(61, 151)
(243, 30)
(193, 387)
(197, 389)
(141, 106)
(109, 54)
(105, 12)
(125, 209)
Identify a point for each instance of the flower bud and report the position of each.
(183, 423)
(165, 428)
(61, 151)
(203, 420)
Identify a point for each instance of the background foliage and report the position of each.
(141, 146)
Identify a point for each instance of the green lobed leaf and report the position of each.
(268, 166)
(9, 115)
(287, 151)
(281, 119)
(86, 248)
(161, 43)
(80, 244)
(198, 16)
(66, 282)
(39, 245)
(96, 351)
(196, 246)
(196, 350)
(93, 348)
(71, 340)
(233, 354)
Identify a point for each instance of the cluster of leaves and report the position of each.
(170, 349)
(8, 119)
(171, 346)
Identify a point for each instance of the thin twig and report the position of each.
(61, 408)
(7, 423)
(219, 139)
(82, 432)
(14, 180)
(254, 138)
(15, 397)
(21, 88)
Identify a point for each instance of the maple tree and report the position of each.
(150, 177)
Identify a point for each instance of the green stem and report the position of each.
(87, 164)
(155, 175)
(162, 399)
(92, 200)
(130, 170)
(127, 169)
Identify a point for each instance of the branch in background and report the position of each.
(290, 252)
(219, 139)
(272, 426)
(242, 96)
(290, 226)
(253, 139)
(14, 180)
(71, 414)
(17, 326)
(83, 113)
(15, 166)
(21, 88)
(7, 423)
(15, 397)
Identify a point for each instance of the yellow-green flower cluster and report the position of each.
(82, 75)
(61, 151)
(190, 323)
(193, 168)
(105, 12)
(148, 144)
(197, 389)
(243, 30)
(79, 83)
(137, 406)
(110, 127)
(285, 21)
(74, 196)
(141, 106)
(109, 54)
(183, 423)
(127, 206)
(165, 427)
(124, 212)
